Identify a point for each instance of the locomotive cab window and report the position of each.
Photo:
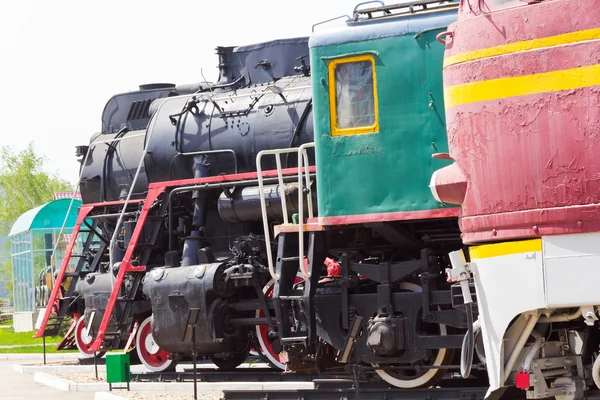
(353, 96)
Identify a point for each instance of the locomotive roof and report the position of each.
(388, 26)
(270, 43)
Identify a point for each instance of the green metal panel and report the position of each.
(388, 171)
(117, 368)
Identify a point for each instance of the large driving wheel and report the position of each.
(84, 341)
(262, 331)
(410, 378)
(150, 354)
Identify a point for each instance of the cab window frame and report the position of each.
(333, 106)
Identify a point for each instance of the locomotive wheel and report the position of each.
(230, 363)
(83, 341)
(150, 354)
(262, 331)
(415, 378)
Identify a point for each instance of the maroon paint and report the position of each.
(530, 163)
(481, 29)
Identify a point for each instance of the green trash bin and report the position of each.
(118, 369)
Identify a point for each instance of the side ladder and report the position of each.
(51, 323)
(110, 332)
(304, 185)
(292, 255)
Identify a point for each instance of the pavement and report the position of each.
(16, 386)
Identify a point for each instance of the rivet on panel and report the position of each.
(579, 224)
(536, 229)
(494, 232)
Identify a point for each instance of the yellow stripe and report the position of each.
(493, 89)
(534, 44)
(504, 249)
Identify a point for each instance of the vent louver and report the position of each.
(139, 109)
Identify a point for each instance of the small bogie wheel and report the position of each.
(231, 362)
(262, 331)
(84, 341)
(423, 377)
(149, 352)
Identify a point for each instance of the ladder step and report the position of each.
(288, 259)
(296, 339)
(291, 297)
(71, 274)
(78, 255)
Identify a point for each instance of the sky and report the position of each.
(61, 60)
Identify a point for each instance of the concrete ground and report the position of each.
(15, 386)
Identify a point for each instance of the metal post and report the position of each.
(194, 357)
(44, 343)
(95, 366)
(356, 384)
(192, 321)
(355, 372)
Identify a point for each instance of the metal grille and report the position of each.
(139, 109)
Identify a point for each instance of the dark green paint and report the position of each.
(387, 171)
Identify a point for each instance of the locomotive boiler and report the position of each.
(163, 132)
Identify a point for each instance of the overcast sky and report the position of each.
(61, 60)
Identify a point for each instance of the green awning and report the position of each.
(47, 216)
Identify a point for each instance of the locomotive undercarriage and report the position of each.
(387, 307)
(556, 361)
(385, 304)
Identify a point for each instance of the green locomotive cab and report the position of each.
(379, 116)
(383, 304)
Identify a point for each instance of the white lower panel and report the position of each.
(506, 287)
(566, 273)
(572, 266)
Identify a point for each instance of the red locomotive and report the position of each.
(522, 84)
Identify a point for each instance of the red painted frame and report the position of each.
(155, 190)
(81, 216)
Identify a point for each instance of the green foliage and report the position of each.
(25, 342)
(23, 185)
(10, 338)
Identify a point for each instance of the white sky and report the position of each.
(61, 60)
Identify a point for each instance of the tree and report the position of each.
(23, 185)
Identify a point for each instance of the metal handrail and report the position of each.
(302, 160)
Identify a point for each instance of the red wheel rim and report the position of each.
(149, 350)
(84, 342)
(265, 342)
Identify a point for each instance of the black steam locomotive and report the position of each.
(201, 228)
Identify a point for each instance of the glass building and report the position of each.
(33, 238)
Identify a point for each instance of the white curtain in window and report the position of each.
(355, 102)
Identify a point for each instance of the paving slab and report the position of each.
(68, 385)
(16, 386)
